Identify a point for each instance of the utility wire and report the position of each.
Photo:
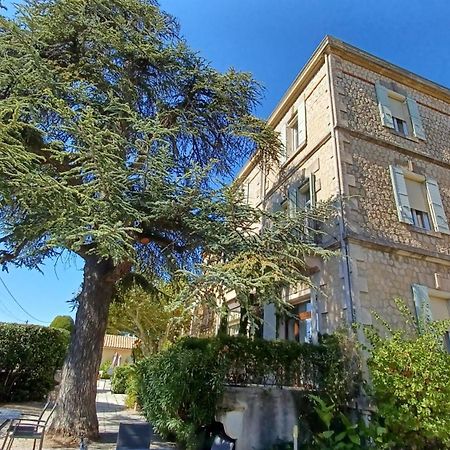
(18, 304)
(7, 312)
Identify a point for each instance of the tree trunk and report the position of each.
(76, 413)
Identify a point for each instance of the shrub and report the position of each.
(103, 370)
(63, 322)
(180, 388)
(411, 382)
(120, 379)
(328, 427)
(29, 357)
(132, 391)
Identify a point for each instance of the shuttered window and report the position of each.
(431, 304)
(399, 112)
(418, 200)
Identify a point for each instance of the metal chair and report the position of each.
(28, 428)
(134, 436)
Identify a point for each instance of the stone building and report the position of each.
(357, 127)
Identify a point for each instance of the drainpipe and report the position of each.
(342, 232)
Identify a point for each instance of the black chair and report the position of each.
(134, 436)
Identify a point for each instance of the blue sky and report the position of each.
(272, 39)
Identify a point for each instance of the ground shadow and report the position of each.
(103, 407)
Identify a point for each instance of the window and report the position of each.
(296, 131)
(418, 200)
(302, 197)
(292, 136)
(420, 209)
(234, 319)
(432, 304)
(399, 112)
(440, 310)
(298, 328)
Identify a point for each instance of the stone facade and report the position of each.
(350, 150)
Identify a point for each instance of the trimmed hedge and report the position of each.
(29, 357)
(180, 388)
(121, 378)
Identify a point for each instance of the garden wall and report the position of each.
(259, 417)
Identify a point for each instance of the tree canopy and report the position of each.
(146, 310)
(112, 131)
(63, 322)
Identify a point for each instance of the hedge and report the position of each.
(180, 388)
(29, 357)
(121, 378)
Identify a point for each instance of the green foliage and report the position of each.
(63, 322)
(330, 429)
(144, 309)
(179, 390)
(410, 373)
(29, 357)
(113, 131)
(120, 378)
(180, 387)
(132, 390)
(104, 369)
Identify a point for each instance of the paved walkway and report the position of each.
(110, 411)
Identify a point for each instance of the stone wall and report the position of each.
(387, 256)
(373, 212)
(379, 276)
(259, 417)
(359, 111)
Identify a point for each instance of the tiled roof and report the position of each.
(116, 341)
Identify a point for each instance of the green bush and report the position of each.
(103, 370)
(180, 387)
(63, 322)
(29, 357)
(132, 391)
(121, 378)
(325, 426)
(410, 374)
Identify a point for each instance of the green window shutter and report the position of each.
(401, 195)
(301, 117)
(312, 189)
(292, 200)
(436, 206)
(384, 106)
(415, 118)
(422, 304)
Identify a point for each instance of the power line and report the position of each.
(18, 304)
(7, 312)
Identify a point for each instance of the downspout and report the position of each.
(342, 231)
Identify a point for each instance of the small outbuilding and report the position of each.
(118, 348)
